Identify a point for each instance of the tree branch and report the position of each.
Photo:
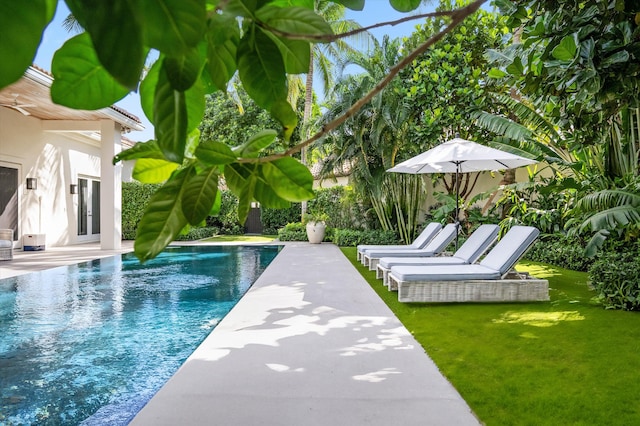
(328, 38)
(457, 16)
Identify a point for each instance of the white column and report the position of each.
(110, 186)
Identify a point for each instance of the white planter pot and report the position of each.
(315, 232)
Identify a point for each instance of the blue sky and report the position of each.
(374, 11)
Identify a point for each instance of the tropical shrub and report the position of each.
(198, 233)
(352, 237)
(614, 276)
(274, 219)
(560, 250)
(293, 232)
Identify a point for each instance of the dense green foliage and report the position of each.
(293, 232)
(135, 198)
(352, 238)
(274, 219)
(615, 276)
(560, 250)
(562, 362)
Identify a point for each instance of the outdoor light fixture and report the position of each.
(73, 188)
(32, 183)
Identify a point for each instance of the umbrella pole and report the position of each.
(457, 222)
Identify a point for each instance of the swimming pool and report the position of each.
(92, 343)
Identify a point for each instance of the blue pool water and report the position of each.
(92, 343)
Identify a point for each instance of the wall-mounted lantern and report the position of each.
(32, 183)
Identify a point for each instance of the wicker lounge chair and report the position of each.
(6, 244)
(474, 247)
(425, 236)
(489, 281)
(433, 248)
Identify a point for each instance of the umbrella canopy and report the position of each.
(460, 156)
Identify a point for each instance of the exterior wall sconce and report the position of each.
(73, 188)
(32, 183)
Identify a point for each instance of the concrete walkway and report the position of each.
(309, 344)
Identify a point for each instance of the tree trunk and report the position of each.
(306, 117)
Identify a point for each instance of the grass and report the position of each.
(240, 239)
(563, 362)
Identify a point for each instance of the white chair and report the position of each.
(6, 244)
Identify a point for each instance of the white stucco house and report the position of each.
(57, 180)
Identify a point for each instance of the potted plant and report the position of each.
(315, 224)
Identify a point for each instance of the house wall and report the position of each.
(56, 160)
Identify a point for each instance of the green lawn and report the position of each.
(563, 362)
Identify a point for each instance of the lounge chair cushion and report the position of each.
(425, 236)
(477, 243)
(433, 247)
(444, 273)
(510, 248)
(389, 262)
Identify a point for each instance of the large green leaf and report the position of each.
(81, 82)
(162, 220)
(174, 26)
(170, 114)
(296, 54)
(183, 70)
(284, 113)
(98, 18)
(152, 170)
(215, 153)
(223, 38)
(294, 20)
(148, 89)
(244, 8)
(241, 180)
(405, 5)
(261, 68)
(147, 149)
(196, 104)
(199, 195)
(22, 24)
(566, 49)
(256, 143)
(267, 196)
(290, 179)
(309, 4)
(352, 4)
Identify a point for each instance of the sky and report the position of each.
(374, 11)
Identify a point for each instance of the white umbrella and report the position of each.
(460, 156)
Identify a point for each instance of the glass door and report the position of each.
(88, 209)
(9, 199)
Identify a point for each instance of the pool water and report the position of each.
(92, 343)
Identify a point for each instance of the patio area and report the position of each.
(310, 343)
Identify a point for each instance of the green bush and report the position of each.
(274, 219)
(560, 250)
(352, 237)
(615, 278)
(194, 234)
(135, 197)
(293, 232)
(343, 207)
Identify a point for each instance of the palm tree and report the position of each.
(372, 138)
